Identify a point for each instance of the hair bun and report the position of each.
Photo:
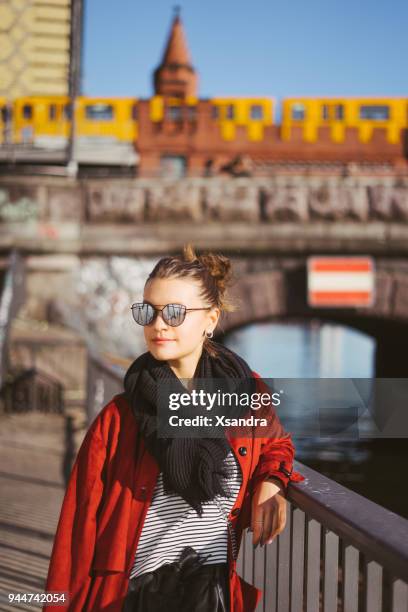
(212, 266)
(218, 266)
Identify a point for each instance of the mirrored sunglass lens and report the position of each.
(174, 314)
(142, 313)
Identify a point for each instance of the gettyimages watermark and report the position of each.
(335, 408)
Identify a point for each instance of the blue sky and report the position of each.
(253, 47)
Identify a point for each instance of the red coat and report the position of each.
(107, 498)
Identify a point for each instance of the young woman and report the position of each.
(150, 523)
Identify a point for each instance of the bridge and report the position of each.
(268, 226)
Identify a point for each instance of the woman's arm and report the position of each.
(276, 459)
(277, 448)
(271, 477)
(268, 512)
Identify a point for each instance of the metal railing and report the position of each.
(103, 382)
(11, 299)
(339, 551)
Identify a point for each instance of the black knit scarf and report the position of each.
(193, 468)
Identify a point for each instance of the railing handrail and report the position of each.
(377, 532)
(112, 369)
(11, 299)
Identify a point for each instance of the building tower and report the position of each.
(175, 76)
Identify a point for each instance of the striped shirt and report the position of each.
(171, 524)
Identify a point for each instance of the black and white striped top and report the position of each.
(171, 524)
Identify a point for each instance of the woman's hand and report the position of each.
(268, 517)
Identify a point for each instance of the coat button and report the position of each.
(235, 511)
(242, 450)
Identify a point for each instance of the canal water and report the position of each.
(376, 468)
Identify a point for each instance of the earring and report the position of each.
(209, 334)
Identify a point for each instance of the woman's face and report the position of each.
(186, 338)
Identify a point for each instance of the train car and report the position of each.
(308, 115)
(110, 119)
(42, 122)
(106, 130)
(5, 121)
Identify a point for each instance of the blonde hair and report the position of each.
(212, 270)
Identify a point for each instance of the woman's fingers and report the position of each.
(275, 526)
(268, 523)
(268, 517)
(279, 520)
(257, 525)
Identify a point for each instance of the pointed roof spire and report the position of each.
(176, 49)
(176, 75)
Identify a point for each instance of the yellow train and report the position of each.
(338, 114)
(105, 128)
(45, 122)
(38, 120)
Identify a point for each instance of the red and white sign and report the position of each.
(340, 281)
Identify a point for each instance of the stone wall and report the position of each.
(298, 199)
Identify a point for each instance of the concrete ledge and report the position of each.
(149, 239)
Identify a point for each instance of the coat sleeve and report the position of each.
(74, 541)
(277, 450)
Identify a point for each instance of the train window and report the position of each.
(6, 113)
(68, 112)
(298, 111)
(339, 112)
(325, 112)
(134, 112)
(27, 111)
(230, 111)
(375, 112)
(256, 111)
(215, 113)
(52, 112)
(174, 113)
(99, 112)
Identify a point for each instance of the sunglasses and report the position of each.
(145, 313)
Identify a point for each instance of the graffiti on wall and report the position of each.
(22, 209)
(248, 200)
